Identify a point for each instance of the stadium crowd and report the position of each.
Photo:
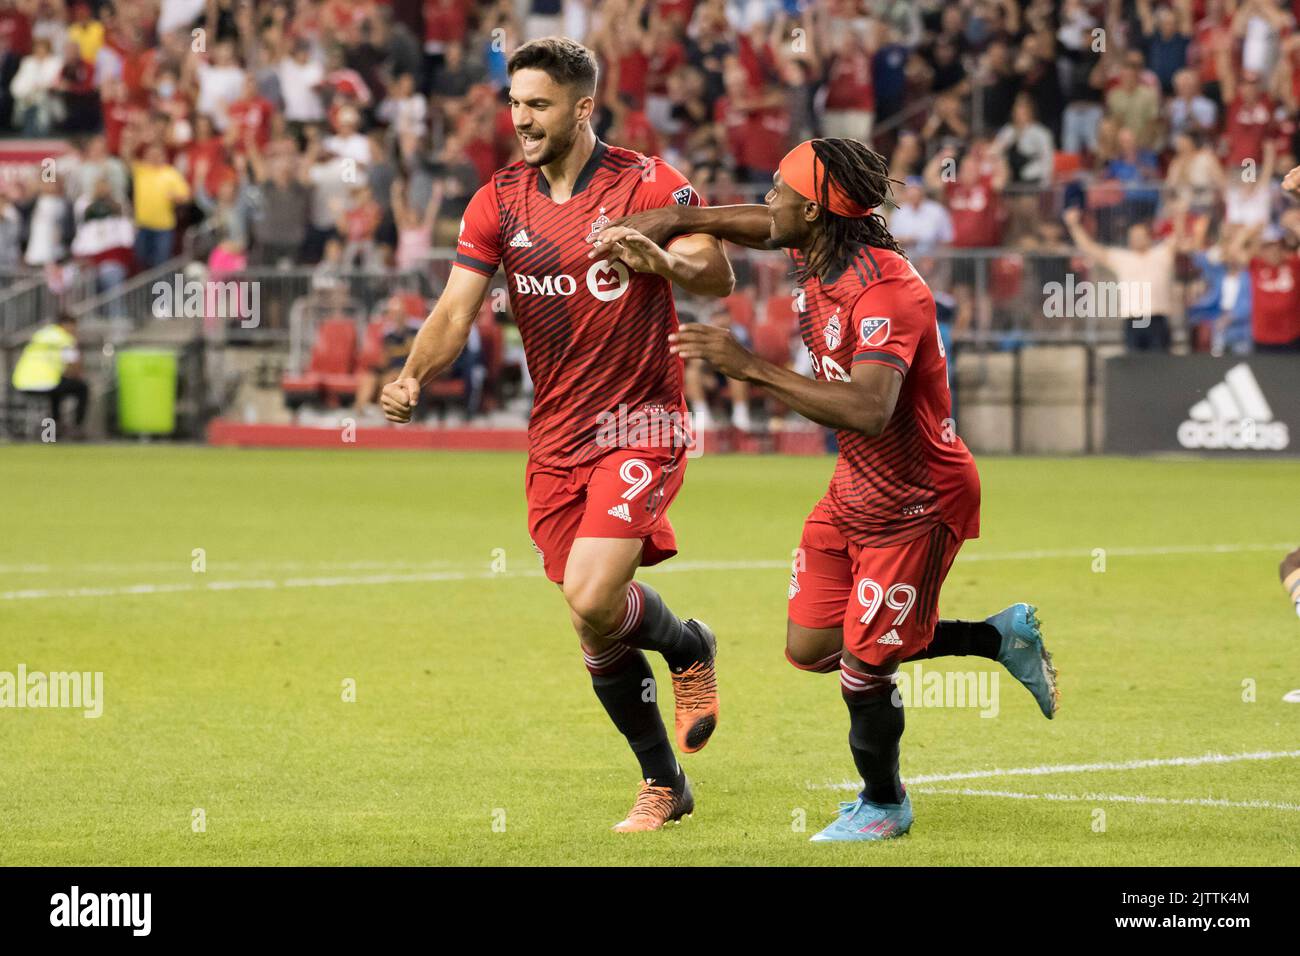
(1029, 138)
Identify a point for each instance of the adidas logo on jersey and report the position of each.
(521, 240)
(1234, 414)
(621, 512)
(891, 638)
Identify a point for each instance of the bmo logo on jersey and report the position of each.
(607, 280)
(545, 285)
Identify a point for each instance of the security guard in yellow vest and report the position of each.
(50, 365)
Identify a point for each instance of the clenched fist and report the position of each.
(399, 399)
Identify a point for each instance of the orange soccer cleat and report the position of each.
(656, 807)
(695, 693)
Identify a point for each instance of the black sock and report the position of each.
(963, 639)
(625, 686)
(655, 628)
(875, 729)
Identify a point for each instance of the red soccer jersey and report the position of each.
(1275, 301)
(595, 334)
(976, 217)
(849, 86)
(1246, 129)
(16, 31)
(917, 473)
(252, 115)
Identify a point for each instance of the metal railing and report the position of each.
(249, 307)
(31, 300)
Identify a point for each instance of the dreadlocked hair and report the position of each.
(863, 174)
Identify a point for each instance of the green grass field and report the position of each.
(223, 690)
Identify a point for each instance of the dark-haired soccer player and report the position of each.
(596, 338)
(905, 493)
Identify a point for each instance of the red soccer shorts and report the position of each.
(886, 599)
(625, 494)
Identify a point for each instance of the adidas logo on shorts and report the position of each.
(621, 512)
(521, 240)
(891, 638)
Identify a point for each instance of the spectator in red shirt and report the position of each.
(1212, 46)
(1275, 294)
(971, 192)
(666, 54)
(756, 124)
(119, 113)
(15, 28)
(754, 48)
(250, 115)
(631, 129)
(358, 223)
(624, 45)
(1249, 119)
(850, 94)
(205, 154)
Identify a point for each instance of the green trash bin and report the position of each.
(146, 392)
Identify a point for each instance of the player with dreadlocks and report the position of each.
(864, 590)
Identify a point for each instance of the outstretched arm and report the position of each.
(863, 404)
(746, 225)
(696, 262)
(439, 341)
(1091, 248)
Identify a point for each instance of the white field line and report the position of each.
(1111, 798)
(1049, 769)
(427, 577)
(183, 564)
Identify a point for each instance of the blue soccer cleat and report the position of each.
(862, 820)
(1023, 654)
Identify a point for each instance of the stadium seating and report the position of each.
(330, 374)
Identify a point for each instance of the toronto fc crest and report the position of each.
(833, 332)
(598, 225)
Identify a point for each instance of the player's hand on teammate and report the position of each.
(399, 399)
(635, 250)
(657, 225)
(716, 346)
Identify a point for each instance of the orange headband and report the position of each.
(803, 172)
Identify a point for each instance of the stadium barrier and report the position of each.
(1240, 405)
(1025, 380)
(31, 299)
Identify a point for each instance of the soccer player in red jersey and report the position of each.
(607, 436)
(864, 593)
